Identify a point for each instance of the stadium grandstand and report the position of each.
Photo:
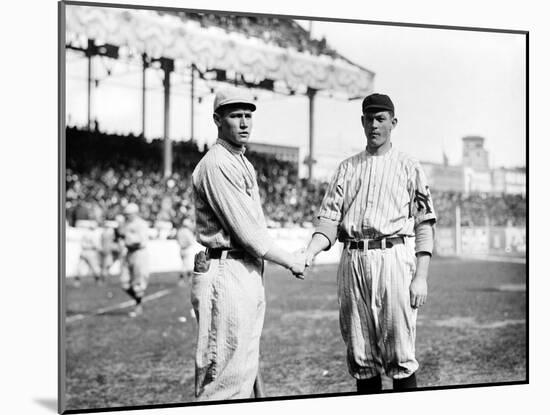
(207, 49)
(105, 171)
(273, 30)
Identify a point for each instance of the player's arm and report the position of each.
(295, 262)
(424, 219)
(142, 230)
(319, 242)
(424, 239)
(234, 208)
(329, 217)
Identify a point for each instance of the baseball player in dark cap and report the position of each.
(379, 205)
(227, 290)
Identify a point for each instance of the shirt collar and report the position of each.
(379, 155)
(231, 147)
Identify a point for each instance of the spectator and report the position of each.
(105, 172)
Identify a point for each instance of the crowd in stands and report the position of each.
(277, 31)
(106, 171)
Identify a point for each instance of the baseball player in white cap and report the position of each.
(135, 271)
(227, 287)
(379, 205)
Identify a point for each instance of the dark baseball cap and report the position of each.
(378, 102)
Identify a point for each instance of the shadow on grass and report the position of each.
(116, 313)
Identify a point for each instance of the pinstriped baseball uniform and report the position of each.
(372, 197)
(228, 299)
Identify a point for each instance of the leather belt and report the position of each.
(134, 248)
(217, 253)
(377, 243)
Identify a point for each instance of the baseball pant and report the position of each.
(187, 256)
(89, 263)
(135, 272)
(229, 304)
(377, 321)
(107, 261)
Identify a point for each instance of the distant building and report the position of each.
(283, 153)
(513, 181)
(443, 177)
(477, 180)
(474, 154)
(474, 174)
(325, 165)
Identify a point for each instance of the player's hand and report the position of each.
(418, 291)
(298, 266)
(309, 257)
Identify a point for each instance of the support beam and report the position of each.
(167, 66)
(89, 54)
(458, 231)
(90, 51)
(310, 161)
(192, 135)
(143, 92)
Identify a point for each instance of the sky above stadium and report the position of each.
(446, 84)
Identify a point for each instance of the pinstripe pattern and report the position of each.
(376, 319)
(227, 201)
(229, 303)
(371, 197)
(229, 299)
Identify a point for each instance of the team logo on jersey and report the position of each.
(423, 200)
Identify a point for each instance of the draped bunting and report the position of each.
(144, 31)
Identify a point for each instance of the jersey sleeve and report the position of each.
(424, 234)
(330, 212)
(235, 209)
(421, 199)
(136, 233)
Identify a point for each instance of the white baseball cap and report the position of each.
(233, 96)
(131, 208)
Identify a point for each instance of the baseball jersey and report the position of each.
(185, 237)
(136, 233)
(90, 239)
(228, 298)
(107, 240)
(371, 197)
(227, 200)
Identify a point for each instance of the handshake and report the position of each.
(300, 261)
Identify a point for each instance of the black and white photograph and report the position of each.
(274, 207)
(261, 206)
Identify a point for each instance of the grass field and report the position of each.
(472, 330)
